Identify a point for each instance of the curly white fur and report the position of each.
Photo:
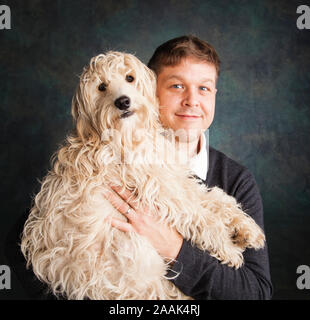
(67, 239)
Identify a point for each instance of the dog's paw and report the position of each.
(233, 257)
(256, 239)
(249, 235)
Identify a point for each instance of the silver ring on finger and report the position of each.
(129, 210)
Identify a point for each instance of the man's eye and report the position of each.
(204, 88)
(177, 86)
(102, 87)
(130, 78)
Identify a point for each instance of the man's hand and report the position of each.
(167, 241)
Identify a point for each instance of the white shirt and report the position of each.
(199, 163)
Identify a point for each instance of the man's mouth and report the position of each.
(188, 116)
(126, 114)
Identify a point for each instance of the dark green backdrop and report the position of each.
(262, 111)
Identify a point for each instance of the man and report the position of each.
(187, 70)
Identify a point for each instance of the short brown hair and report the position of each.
(173, 51)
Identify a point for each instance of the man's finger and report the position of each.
(130, 198)
(126, 195)
(121, 225)
(119, 204)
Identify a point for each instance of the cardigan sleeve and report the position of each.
(202, 276)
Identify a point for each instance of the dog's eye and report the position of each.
(102, 87)
(130, 78)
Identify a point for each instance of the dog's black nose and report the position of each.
(122, 102)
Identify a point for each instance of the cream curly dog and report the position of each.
(68, 239)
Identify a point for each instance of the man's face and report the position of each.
(186, 94)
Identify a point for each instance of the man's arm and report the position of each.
(204, 277)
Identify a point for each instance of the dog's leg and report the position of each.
(226, 230)
(242, 229)
(246, 233)
(228, 253)
(214, 237)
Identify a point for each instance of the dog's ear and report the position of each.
(84, 125)
(148, 83)
(75, 107)
(86, 131)
(146, 79)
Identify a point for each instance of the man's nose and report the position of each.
(122, 103)
(190, 98)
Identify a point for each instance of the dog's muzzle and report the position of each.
(122, 103)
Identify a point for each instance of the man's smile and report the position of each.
(188, 116)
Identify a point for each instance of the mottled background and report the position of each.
(263, 101)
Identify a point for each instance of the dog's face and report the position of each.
(116, 91)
